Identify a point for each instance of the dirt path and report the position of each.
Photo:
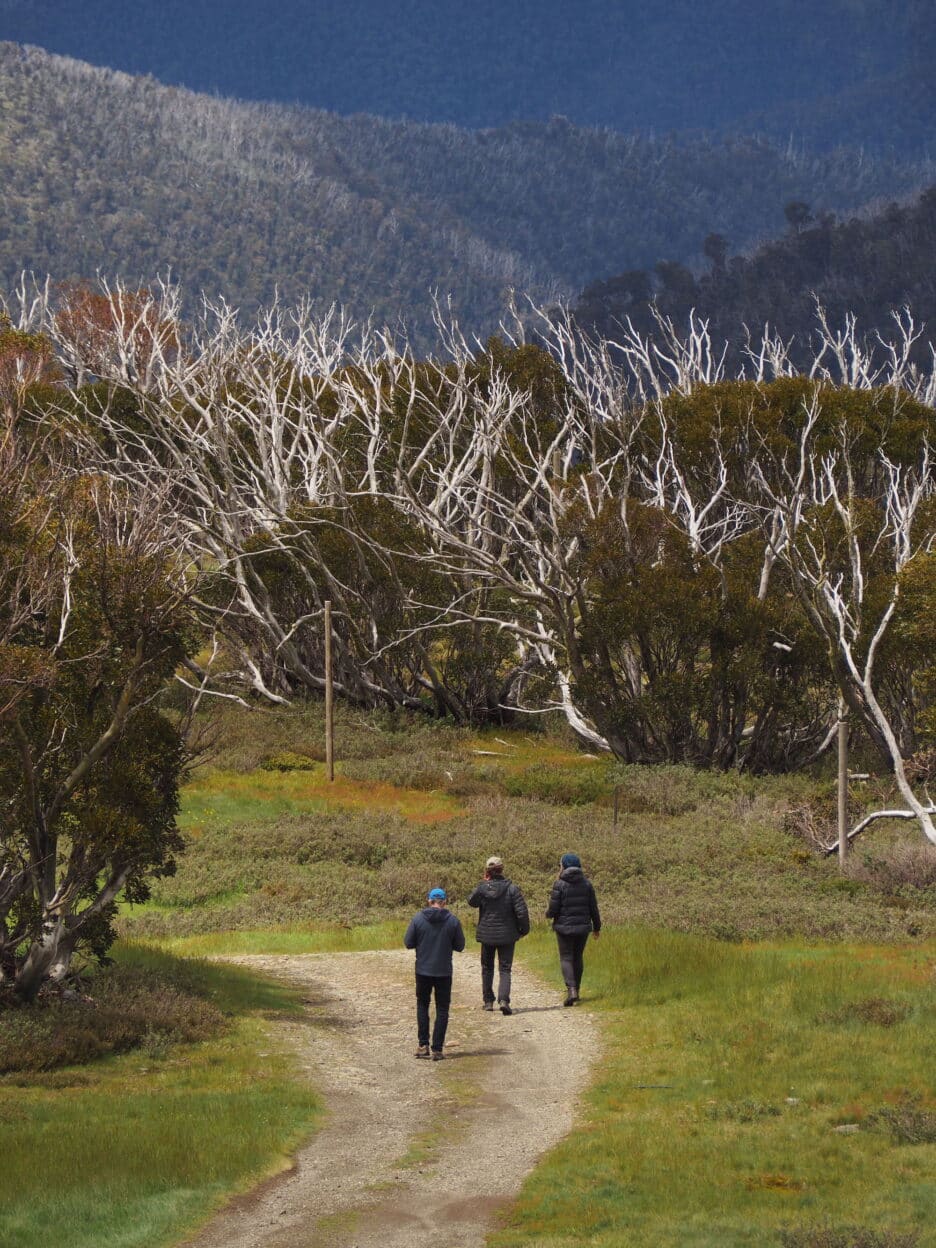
(411, 1152)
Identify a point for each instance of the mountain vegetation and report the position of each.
(106, 172)
(867, 266)
(693, 568)
(835, 73)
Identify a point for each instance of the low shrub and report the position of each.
(878, 1011)
(847, 1237)
(124, 1008)
(903, 867)
(562, 786)
(289, 760)
(743, 1111)
(908, 1122)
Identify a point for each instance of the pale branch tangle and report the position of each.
(482, 504)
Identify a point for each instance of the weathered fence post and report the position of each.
(842, 783)
(329, 697)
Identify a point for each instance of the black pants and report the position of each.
(425, 985)
(571, 949)
(505, 955)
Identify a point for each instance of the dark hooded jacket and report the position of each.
(504, 916)
(434, 933)
(573, 906)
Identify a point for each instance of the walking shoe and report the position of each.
(423, 1050)
(571, 997)
(437, 1055)
(505, 1008)
(488, 1005)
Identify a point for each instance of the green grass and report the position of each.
(727, 1067)
(132, 1150)
(319, 939)
(416, 804)
(712, 990)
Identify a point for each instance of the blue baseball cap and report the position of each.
(571, 860)
(437, 894)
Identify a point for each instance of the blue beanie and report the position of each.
(437, 894)
(571, 860)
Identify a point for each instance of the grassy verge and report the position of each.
(713, 1120)
(321, 938)
(133, 1149)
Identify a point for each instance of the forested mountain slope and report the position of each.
(103, 171)
(844, 71)
(869, 266)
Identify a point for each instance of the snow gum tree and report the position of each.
(94, 619)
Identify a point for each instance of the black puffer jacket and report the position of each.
(504, 916)
(573, 906)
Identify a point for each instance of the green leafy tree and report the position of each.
(94, 619)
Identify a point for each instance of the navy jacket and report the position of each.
(504, 917)
(573, 906)
(434, 934)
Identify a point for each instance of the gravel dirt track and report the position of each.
(411, 1152)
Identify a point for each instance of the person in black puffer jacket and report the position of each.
(573, 909)
(502, 920)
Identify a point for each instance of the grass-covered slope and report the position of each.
(273, 845)
(749, 1096)
(729, 1067)
(107, 172)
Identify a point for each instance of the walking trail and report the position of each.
(411, 1152)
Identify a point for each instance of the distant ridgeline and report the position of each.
(868, 266)
(841, 72)
(104, 172)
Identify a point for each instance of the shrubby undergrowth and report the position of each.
(121, 1007)
(693, 851)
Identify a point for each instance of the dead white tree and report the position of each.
(301, 452)
(845, 554)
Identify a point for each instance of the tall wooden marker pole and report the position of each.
(329, 697)
(842, 783)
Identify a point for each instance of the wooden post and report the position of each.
(842, 783)
(329, 697)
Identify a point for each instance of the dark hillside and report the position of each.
(105, 172)
(870, 266)
(814, 69)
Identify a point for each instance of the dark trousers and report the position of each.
(425, 986)
(571, 949)
(504, 965)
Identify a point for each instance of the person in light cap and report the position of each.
(503, 918)
(434, 933)
(573, 909)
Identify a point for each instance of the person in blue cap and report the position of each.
(574, 911)
(435, 933)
